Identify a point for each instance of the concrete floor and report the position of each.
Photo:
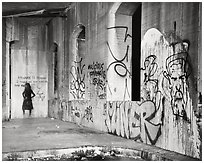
(30, 134)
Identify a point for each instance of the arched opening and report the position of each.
(81, 42)
(55, 63)
(77, 77)
(78, 42)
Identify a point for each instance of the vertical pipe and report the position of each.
(11, 43)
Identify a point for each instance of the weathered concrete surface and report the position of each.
(101, 78)
(31, 134)
(26, 53)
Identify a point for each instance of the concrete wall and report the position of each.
(56, 67)
(27, 49)
(90, 76)
(82, 78)
(170, 72)
(119, 46)
(99, 79)
(5, 107)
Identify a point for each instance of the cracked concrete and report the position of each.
(31, 135)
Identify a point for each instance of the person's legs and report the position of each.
(30, 112)
(23, 112)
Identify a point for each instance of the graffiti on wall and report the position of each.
(164, 78)
(126, 89)
(32, 79)
(98, 78)
(78, 111)
(40, 93)
(165, 73)
(121, 64)
(77, 84)
(134, 122)
(36, 82)
(126, 34)
(150, 89)
(88, 115)
(177, 73)
(75, 112)
(165, 107)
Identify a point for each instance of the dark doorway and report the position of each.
(136, 53)
(55, 51)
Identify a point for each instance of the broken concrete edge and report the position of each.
(120, 151)
(165, 153)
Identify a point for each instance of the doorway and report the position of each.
(136, 52)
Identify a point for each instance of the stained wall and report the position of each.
(26, 48)
(170, 51)
(89, 73)
(56, 67)
(84, 65)
(5, 103)
(99, 79)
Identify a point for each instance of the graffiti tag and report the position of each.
(77, 85)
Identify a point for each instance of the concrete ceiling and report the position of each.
(12, 8)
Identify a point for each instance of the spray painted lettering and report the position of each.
(77, 85)
(32, 79)
(165, 83)
(98, 78)
(88, 115)
(150, 89)
(121, 64)
(134, 122)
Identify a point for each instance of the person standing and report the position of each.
(28, 94)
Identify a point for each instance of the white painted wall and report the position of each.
(29, 64)
(25, 69)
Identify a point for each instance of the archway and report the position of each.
(77, 77)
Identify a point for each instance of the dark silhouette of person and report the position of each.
(28, 94)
